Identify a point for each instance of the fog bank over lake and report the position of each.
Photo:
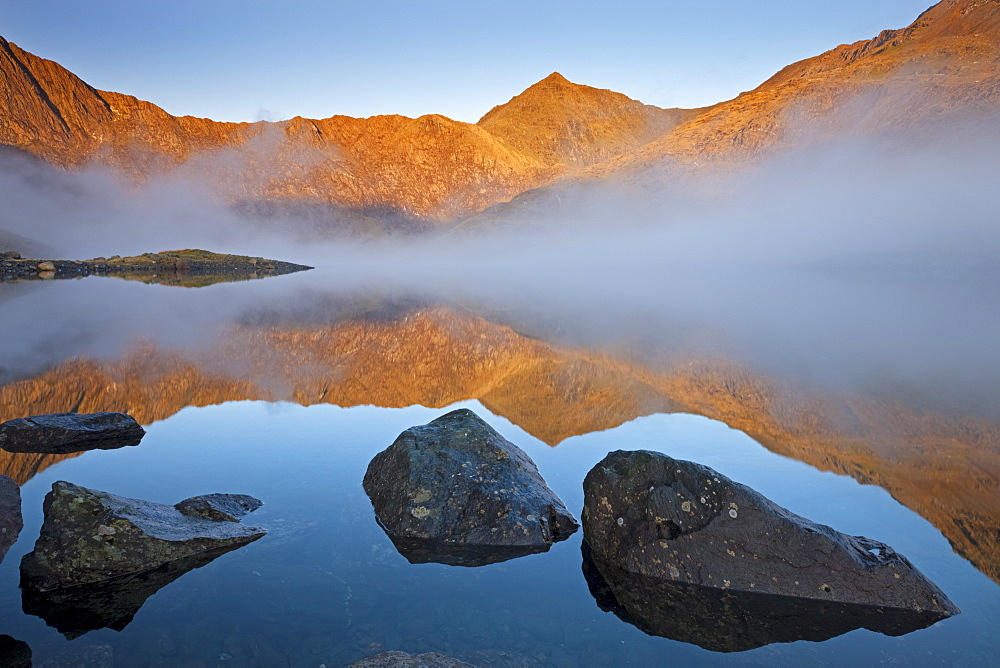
(860, 265)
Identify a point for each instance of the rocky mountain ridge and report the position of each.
(429, 167)
(945, 64)
(901, 87)
(433, 171)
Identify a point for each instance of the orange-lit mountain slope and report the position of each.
(429, 167)
(944, 67)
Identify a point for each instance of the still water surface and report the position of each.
(326, 586)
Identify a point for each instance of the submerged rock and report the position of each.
(89, 536)
(653, 516)
(11, 521)
(397, 659)
(725, 620)
(62, 433)
(456, 484)
(74, 611)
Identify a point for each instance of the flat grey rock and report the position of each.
(456, 482)
(219, 507)
(64, 433)
(665, 519)
(89, 536)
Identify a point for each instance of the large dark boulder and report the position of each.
(455, 488)
(11, 521)
(63, 433)
(726, 620)
(89, 536)
(653, 516)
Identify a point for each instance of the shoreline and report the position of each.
(192, 267)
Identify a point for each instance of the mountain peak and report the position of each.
(555, 77)
(563, 124)
(551, 83)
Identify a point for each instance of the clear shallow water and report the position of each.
(326, 586)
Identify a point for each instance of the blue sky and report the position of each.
(244, 60)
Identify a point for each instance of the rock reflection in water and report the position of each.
(14, 653)
(74, 611)
(729, 621)
(421, 551)
(11, 521)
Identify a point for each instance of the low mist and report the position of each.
(871, 264)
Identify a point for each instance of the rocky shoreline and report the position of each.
(190, 267)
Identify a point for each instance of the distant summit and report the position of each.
(553, 79)
(561, 123)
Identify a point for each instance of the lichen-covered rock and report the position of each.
(11, 521)
(62, 433)
(457, 482)
(219, 507)
(726, 620)
(89, 536)
(648, 514)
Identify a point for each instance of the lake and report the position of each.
(285, 389)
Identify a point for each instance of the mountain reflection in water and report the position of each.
(944, 466)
